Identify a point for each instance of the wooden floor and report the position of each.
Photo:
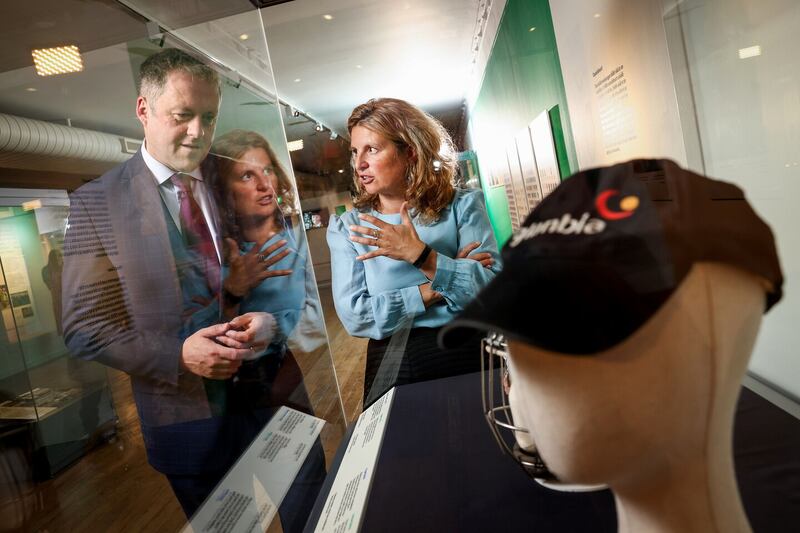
(114, 489)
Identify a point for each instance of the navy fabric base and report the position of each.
(440, 469)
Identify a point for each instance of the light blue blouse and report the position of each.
(287, 298)
(292, 300)
(375, 298)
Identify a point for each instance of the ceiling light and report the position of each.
(358, 66)
(294, 146)
(31, 205)
(597, 15)
(297, 80)
(30, 89)
(532, 28)
(319, 127)
(341, 171)
(327, 17)
(244, 37)
(59, 60)
(750, 51)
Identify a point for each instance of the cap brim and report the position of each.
(569, 307)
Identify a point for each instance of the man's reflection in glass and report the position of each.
(141, 282)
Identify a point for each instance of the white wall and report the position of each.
(635, 116)
(748, 117)
(690, 97)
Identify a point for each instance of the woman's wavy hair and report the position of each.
(226, 151)
(432, 165)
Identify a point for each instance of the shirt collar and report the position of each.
(162, 172)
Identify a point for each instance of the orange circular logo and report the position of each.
(628, 205)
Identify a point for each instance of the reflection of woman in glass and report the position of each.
(268, 268)
(268, 271)
(400, 258)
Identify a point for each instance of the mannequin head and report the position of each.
(645, 405)
(626, 368)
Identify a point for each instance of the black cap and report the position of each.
(603, 252)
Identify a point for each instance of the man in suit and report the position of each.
(142, 287)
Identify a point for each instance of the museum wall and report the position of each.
(618, 80)
(743, 71)
(521, 81)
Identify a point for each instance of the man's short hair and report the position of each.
(154, 72)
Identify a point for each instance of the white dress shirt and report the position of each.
(169, 194)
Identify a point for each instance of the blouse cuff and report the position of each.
(446, 273)
(412, 300)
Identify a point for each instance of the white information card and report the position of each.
(345, 505)
(248, 498)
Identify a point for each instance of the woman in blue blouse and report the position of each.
(400, 259)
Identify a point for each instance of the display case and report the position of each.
(63, 404)
(93, 281)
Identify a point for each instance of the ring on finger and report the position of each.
(376, 233)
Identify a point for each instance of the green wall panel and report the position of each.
(522, 79)
(497, 208)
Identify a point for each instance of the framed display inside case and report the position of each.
(64, 403)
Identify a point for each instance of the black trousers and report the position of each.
(391, 363)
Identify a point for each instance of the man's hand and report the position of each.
(251, 331)
(429, 296)
(203, 356)
(484, 258)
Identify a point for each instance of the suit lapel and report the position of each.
(138, 218)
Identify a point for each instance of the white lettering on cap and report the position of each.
(566, 225)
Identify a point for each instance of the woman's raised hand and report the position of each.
(249, 269)
(397, 241)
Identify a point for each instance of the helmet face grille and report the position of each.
(496, 409)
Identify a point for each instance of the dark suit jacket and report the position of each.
(122, 307)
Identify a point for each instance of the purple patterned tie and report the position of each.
(195, 230)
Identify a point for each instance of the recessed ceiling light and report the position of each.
(327, 17)
(341, 171)
(597, 15)
(750, 51)
(358, 66)
(31, 205)
(244, 36)
(297, 80)
(532, 28)
(59, 60)
(31, 89)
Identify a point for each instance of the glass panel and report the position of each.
(388, 315)
(209, 372)
(65, 402)
(738, 85)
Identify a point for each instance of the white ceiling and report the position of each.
(418, 50)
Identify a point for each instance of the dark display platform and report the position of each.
(440, 469)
